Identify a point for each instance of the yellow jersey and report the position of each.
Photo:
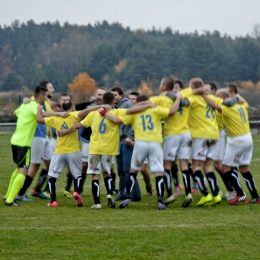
(219, 120)
(202, 119)
(147, 124)
(68, 143)
(235, 119)
(104, 139)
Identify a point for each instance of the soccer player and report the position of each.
(148, 139)
(21, 141)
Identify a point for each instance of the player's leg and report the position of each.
(146, 177)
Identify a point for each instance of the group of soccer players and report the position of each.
(195, 121)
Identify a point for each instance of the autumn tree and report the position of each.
(82, 87)
(144, 89)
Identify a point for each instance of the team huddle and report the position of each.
(195, 122)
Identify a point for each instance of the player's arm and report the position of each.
(86, 111)
(174, 108)
(113, 119)
(39, 116)
(230, 102)
(63, 132)
(139, 107)
(212, 103)
(61, 114)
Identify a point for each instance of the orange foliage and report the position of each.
(10, 104)
(248, 84)
(82, 87)
(120, 66)
(144, 89)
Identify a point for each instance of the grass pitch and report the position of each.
(35, 231)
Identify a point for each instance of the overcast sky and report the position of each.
(234, 17)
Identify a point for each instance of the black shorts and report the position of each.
(21, 156)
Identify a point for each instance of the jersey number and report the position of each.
(102, 127)
(147, 122)
(210, 112)
(242, 114)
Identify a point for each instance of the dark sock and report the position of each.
(78, 185)
(113, 176)
(167, 181)
(191, 173)
(160, 188)
(69, 178)
(26, 185)
(109, 185)
(234, 182)
(130, 184)
(225, 181)
(83, 176)
(235, 171)
(47, 188)
(41, 180)
(186, 181)
(212, 183)
(96, 191)
(200, 180)
(174, 171)
(52, 188)
(250, 183)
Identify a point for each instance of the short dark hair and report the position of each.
(108, 98)
(39, 90)
(179, 82)
(67, 105)
(64, 95)
(212, 86)
(134, 93)
(141, 98)
(168, 82)
(44, 83)
(232, 88)
(119, 90)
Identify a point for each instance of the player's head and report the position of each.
(63, 97)
(178, 85)
(232, 89)
(222, 93)
(210, 88)
(40, 94)
(141, 98)
(109, 98)
(99, 95)
(49, 87)
(167, 84)
(68, 105)
(132, 96)
(118, 93)
(196, 83)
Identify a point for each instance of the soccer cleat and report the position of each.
(169, 200)
(161, 206)
(4, 199)
(195, 188)
(78, 199)
(115, 191)
(14, 203)
(177, 190)
(96, 206)
(238, 199)
(255, 201)
(43, 195)
(215, 200)
(204, 200)
(124, 203)
(187, 200)
(53, 204)
(67, 194)
(23, 198)
(110, 202)
(230, 195)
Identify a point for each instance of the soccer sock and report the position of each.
(26, 185)
(109, 185)
(41, 180)
(69, 179)
(200, 180)
(212, 183)
(174, 171)
(96, 191)
(78, 185)
(167, 181)
(236, 172)
(191, 173)
(113, 175)
(83, 176)
(52, 188)
(47, 188)
(13, 176)
(186, 181)
(225, 181)
(130, 183)
(250, 183)
(16, 186)
(234, 182)
(160, 188)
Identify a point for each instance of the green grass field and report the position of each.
(35, 231)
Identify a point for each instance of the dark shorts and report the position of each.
(21, 156)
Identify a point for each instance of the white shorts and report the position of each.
(60, 161)
(84, 151)
(97, 162)
(151, 150)
(239, 150)
(220, 147)
(203, 148)
(40, 150)
(177, 145)
(52, 142)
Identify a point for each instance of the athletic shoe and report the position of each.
(161, 206)
(43, 195)
(177, 190)
(78, 199)
(187, 200)
(238, 199)
(195, 188)
(67, 194)
(230, 195)
(53, 204)
(169, 200)
(96, 206)
(124, 203)
(255, 201)
(115, 191)
(204, 200)
(23, 198)
(215, 200)
(110, 202)
(14, 203)
(4, 199)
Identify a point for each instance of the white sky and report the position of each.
(234, 17)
